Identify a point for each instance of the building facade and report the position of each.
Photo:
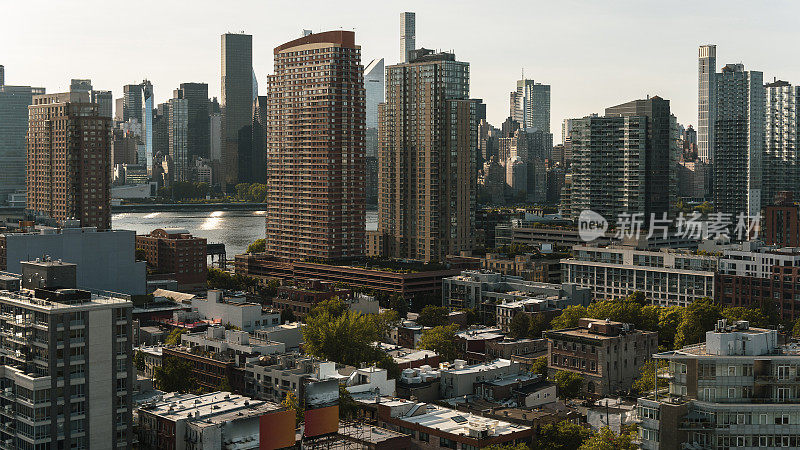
(315, 160)
(781, 163)
(735, 390)
(236, 98)
(665, 277)
(78, 396)
(427, 176)
(68, 164)
(706, 101)
(609, 355)
(176, 251)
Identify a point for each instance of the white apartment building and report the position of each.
(666, 277)
(739, 389)
(236, 311)
(753, 259)
(67, 374)
(236, 342)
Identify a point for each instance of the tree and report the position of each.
(538, 325)
(646, 380)
(225, 385)
(569, 317)
(335, 333)
(507, 447)
(138, 361)
(605, 439)
(174, 375)
(539, 366)
(796, 329)
(174, 336)
(519, 326)
(669, 319)
(287, 315)
(399, 304)
(290, 401)
(699, 317)
(562, 435)
(258, 246)
(433, 316)
(348, 408)
(755, 316)
(141, 254)
(569, 384)
(441, 340)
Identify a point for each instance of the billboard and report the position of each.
(276, 430)
(321, 421)
(320, 394)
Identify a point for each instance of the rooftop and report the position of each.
(86, 300)
(210, 409)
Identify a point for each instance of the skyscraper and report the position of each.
(408, 34)
(660, 156)
(14, 102)
(427, 177)
(738, 143)
(706, 101)
(196, 95)
(147, 126)
(236, 98)
(781, 152)
(132, 102)
(530, 105)
(373, 84)
(68, 167)
(179, 137)
(315, 148)
(608, 166)
(253, 145)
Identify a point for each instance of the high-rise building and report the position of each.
(80, 85)
(315, 148)
(782, 150)
(608, 166)
(373, 84)
(83, 390)
(14, 102)
(178, 129)
(408, 34)
(132, 102)
(147, 126)
(253, 145)
(660, 154)
(68, 167)
(427, 177)
(198, 122)
(738, 143)
(105, 101)
(236, 99)
(530, 105)
(706, 101)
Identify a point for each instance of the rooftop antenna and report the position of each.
(523, 73)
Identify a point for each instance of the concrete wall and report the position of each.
(100, 369)
(106, 260)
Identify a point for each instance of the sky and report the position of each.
(593, 53)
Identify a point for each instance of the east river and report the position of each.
(235, 229)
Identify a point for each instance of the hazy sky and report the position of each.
(594, 54)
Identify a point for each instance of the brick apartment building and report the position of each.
(176, 251)
(302, 298)
(609, 355)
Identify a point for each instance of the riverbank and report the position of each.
(194, 207)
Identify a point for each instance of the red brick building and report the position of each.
(174, 251)
(781, 222)
(68, 160)
(300, 299)
(315, 145)
(781, 290)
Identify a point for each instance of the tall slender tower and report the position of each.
(147, 126)
(782, 144)
(68, 170)
(315, 149)
(706, 100)
(426, 153)
(236, 99)
(408, 33)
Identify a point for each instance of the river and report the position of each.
(235, 229)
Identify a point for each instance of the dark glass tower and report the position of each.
(236, 99)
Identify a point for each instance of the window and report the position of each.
(424, 437)
(731, 392)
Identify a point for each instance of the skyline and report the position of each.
(498, 43)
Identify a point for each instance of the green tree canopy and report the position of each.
(174, 336)
(138, 360)
(441, 340)
(257, 246)
(668, 320)
(399, 304)
(699, 317)
(562, 435)
(519, 326)
(569, 317)
(569, 384)
(539, 366)
(605, 439)
(647, 378)
(174, 375)
(290, 401)
(755, 316)
(433, 316)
